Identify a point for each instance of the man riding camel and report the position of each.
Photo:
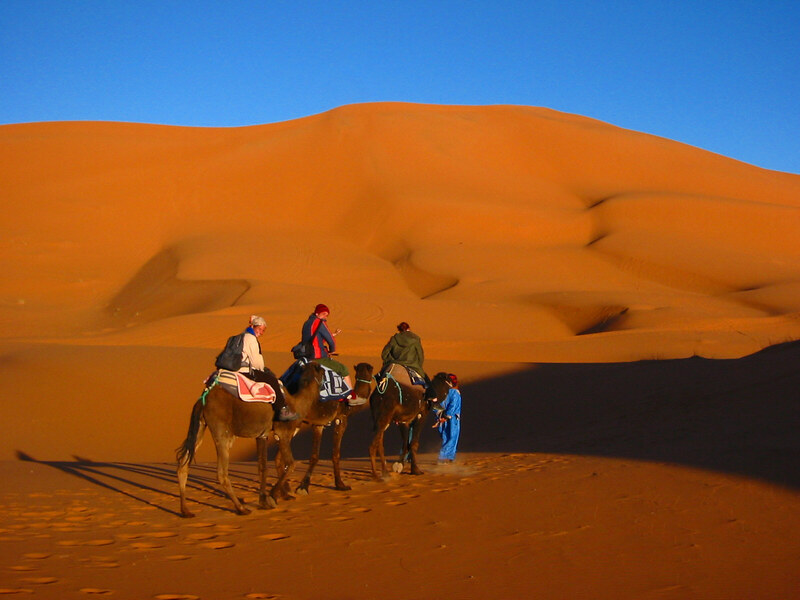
(404, 348)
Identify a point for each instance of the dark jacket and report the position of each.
(404, 348)
(316, 330)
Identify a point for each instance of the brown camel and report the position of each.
(406, 405)
(228, 417)
(320, 415)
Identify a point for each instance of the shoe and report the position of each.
(287, 415)
(354, 400)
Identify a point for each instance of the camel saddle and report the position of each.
(242, 387)
(402, 375)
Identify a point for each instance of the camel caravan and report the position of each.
(243, 399)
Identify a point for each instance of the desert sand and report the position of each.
(623, 312)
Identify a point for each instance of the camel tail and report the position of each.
(185, 452)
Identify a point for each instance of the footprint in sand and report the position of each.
(201, 525)
(263, 596)
(162, 534)
(176, 597)
(273, 536)
(97, 591)
(102, 563)
(145, 545)
(40, 580)
(340, 518)
(360, 509)
(22, 568)
(36, 555)
(98, 542)
(201, 536)
(218, 545)
(178, 557)
(4, 591)
(395, 503)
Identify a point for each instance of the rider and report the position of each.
(404, 348)
(254, 368)
(321, 339)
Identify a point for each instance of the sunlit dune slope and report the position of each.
(500, 233)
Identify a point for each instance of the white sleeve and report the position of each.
(250, 355)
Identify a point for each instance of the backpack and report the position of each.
(306, 349)
(303, 350)
(230, 358)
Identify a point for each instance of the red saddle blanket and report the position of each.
(245, 388)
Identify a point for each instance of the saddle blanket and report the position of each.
(245, 388)
(333, 384)
(405, 375)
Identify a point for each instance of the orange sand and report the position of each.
(539, 255)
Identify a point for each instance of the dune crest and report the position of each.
(454, 218)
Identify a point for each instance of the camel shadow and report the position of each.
(135, 481)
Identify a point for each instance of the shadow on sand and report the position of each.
(737, 416)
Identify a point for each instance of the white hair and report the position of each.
(256, 321)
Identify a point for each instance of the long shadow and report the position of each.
(129, 478)
(739, 416)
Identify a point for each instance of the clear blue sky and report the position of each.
(722, 75)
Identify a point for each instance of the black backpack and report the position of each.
(230, 358)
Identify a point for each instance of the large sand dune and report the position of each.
(538, 254)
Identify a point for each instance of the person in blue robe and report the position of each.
(449, 423)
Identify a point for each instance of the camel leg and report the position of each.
(338, 433)
(377, 447)
(316, 440)
(183, 472)
(223, 458)
(262, 450)
(287, 462)
(403, 428)
(282, 432)
(416, 431)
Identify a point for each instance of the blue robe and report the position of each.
(451, 428)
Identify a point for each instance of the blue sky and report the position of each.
(721, 75)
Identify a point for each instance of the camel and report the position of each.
(228, 417)
(407, 405)
(319, 415)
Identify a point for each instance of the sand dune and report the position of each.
(525, 223)
(567, 269)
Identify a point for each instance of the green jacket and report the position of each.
(404, 348)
